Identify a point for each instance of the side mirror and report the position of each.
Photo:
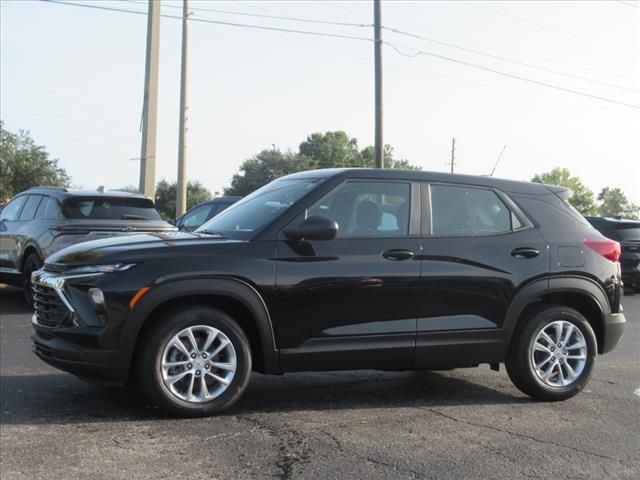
(315, 227)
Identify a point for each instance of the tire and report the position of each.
(183, 398)
(521, 356)
(31, 264)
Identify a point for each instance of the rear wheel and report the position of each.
(31, 264)
(552, 354)
(196, 363)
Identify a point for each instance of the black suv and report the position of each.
(43, 220)
(627, 232)
(202, 212)
(340, 269)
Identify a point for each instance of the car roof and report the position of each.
(514, 186)
(64, 193)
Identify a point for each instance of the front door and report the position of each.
(352, 302)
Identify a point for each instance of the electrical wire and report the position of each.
(271, 17)
(510, 60)
(352, 37)
(553, 29)
(417, 53)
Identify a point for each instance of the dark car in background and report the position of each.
(204, 212)
(627, 232)
(43, 220)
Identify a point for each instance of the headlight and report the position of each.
(116, 267)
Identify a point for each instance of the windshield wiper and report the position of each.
(133, 216)
(209, 232)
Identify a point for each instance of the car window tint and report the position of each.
(196, 217)
(12, 209)
(30, 207)
(42, 207)
(367, 208)
(110, 208)
(53, 210)
(468, 211)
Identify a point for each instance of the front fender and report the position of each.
(171, 289)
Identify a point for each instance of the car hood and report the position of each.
(132, 248)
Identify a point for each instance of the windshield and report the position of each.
(110, 208)
(245, 218)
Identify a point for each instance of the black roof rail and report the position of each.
(44, 187)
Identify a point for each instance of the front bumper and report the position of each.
(614, 324)
(75, 354)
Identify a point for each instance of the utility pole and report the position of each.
(453, 154)
(181, 190)
(377, 45)
(150, 105)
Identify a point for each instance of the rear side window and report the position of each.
(468, 211)
(628, 231)
(52, 209)
(12, 209)
(106, 208)
(29, 210)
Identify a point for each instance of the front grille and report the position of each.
(49, 309)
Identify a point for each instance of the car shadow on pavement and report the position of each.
(63, 399)
(12, 301)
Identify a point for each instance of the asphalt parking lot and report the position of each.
(432, 425)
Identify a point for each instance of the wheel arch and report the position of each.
(28, 250)
(233, 296)
(580, 293)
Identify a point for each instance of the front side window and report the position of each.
(367, 209)
(12, 209)
(243, 220)
(195, 218)
(468, 211)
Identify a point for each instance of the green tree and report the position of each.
(166, 197)
(265, 167)
(582, 197)
(328, 150)
(614, 203)
(23, 164)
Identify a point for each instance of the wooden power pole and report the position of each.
(181, 188)
(150, 103)
(377, 45)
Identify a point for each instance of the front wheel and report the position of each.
(196, 363)
(552, 354)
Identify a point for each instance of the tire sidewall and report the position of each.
(150, 374)
(530, 332)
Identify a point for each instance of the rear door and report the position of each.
(478, 249)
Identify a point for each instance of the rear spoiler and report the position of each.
(563, 192)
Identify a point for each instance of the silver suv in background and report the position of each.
(43, 220)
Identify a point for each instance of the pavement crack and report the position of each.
(526, 437)
(293, 450)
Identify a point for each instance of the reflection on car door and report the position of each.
(352, 302)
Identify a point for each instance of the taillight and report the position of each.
(609, 249)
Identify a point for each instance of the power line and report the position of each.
(499, 57)
(629, 4)
(510, 75)
(352, 37)
(215, 22)
(271, 17)
(553, 29)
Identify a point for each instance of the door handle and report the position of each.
(525, 252)
(398, 254)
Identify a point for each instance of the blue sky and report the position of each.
(74, 77)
